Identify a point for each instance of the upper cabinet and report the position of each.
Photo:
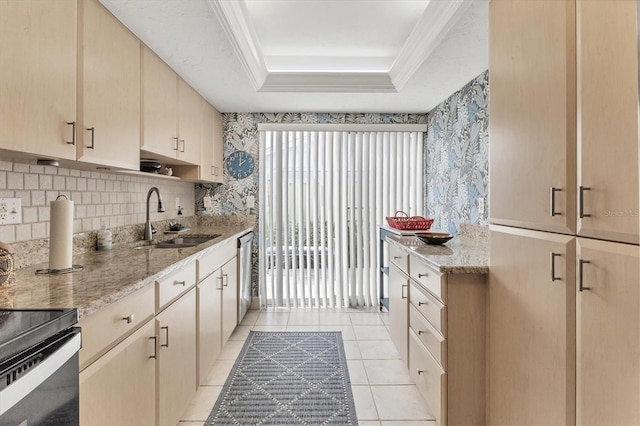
(172, 114)
(108, 89)
(607, 120)
(211, 162)
(564, 159)
(38, 84)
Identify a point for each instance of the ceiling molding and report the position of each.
(234, 19)
(351, 82)
(433, 26)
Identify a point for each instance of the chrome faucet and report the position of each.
(149, 230)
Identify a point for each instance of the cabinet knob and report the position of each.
(129, 319)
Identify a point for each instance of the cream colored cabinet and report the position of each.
(607, 120)
(209, 292)
(399, 301)
(118, 389)
(176, 380)
(608, 344)
(108, 90)
(229, 281)
(531, 325)
(532, 110)
(218, 144)
(38, 84)
(172, 114)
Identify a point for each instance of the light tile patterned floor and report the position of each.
(383, 391)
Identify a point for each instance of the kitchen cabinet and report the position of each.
(108, 130)
(176, 380)
(209, 292)
(229, 281)
(118, 389)
(399, 301)
(172, 114)
(531, 327)
(38, 41)
(608, 333)
(607, 80)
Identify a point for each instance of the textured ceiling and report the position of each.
(313, 35)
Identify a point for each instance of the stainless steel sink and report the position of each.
(180, 242)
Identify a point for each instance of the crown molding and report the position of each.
(329, 81)
(434, 24)
(233, 17)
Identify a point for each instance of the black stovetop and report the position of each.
(22, 328)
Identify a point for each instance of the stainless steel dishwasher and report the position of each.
(244, 274)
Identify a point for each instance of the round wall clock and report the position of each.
(240, 164)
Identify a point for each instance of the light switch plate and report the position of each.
(481, 205)
(10, 211)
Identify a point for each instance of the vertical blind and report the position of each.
(323, 192)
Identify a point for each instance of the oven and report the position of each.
(39, 367)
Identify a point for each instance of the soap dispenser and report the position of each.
(179, 224)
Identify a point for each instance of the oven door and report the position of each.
(40, 384)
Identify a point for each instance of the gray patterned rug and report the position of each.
(287, 378)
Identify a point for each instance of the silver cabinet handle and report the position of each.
(582, 190)
(553, 266)
(93, 132)
(167, 336)
(73, 132)
(402, 292)
(581, 277)
(422, 303)
(397, 257)
(182, 283)
(225, 280)
(219, 280)
(129, 319)
(182, 141)
(155, 347)
(421, 332)
(420, 371)
(177, 143)
(423, 275)
(552, 209)
(213, 173)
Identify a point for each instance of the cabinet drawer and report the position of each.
(173, 285)
(217, 257)
(429, 377)
(429, 307)
(428, 278)
(103, 328)
(399, 257)
(429, 336)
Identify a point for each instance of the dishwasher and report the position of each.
(244, 274)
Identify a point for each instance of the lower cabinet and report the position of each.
(176, 385)
(118, 389)
(209, 292)
(229, 280)
(399, 310)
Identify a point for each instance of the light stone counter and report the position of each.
(111, 275)
(466, 253)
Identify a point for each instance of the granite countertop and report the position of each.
(466, 253)
(109, 275)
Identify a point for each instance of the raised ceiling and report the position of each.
(316, 55)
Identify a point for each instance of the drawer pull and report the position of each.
(402, 296)
(129, 319)
(420, 371)
(581, 277)
(166, 328)
(397, 257)
(423, 275)
(422, 303)
(582, 213)
(155, 347)
(552, 209)
(182, 283)
(225, 280)
(93, 133)
(421, 332)
(177, 143)
(182, 141)
(553, 266)
(73, 132)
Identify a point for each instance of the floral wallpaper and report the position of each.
(457, 158)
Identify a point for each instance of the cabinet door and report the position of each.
(218, 143)
(608, 120)
(399, 311)
(109, 90)
(608, 364)
(229, 276)
(176, 331)
(532, 110)
(159, 106)
(531, 368)
(189, 123)
(207, 172)
(38, 84)
(209, 323)
(119, 388)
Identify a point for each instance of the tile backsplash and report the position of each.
(99, 197)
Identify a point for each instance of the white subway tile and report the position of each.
(71, 184)
(25, 197)
(74, 172)
(81, 211)
(87, 225)
(100, 185)
(37, 198)
(96, 198)
(36, 169)
(31, 181)
(91, 211)
(86, 198)
(63, 172)
(44, 214)
(85, 174)
(59, 183)
(81, 184)
(6, 165)
(29, 214)
(21, 167)
(38, 230)
(91, 184)
(50, 170)
(6, 193)
(3, 180)
(15, 180)
(100, 210)
(51, 196)
(46, 181)
(8, 233)
(23, 232)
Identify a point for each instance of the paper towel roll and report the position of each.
(61, 234)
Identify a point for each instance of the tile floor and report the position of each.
(383, 391)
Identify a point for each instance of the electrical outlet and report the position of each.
(10, 211)
(481, 205)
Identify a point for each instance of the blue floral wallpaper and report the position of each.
(457, 158)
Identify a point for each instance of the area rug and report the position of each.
(287, 378)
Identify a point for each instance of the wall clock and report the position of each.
(240, 164)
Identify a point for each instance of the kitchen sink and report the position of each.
(181, 242)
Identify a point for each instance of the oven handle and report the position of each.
(15, 392)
